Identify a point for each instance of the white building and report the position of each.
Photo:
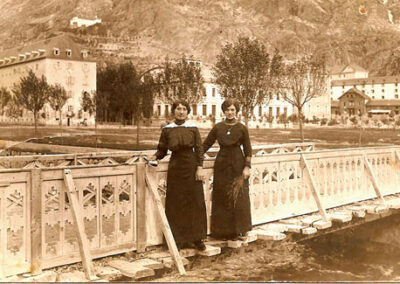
(383, 91)
(61, 60)
(76, 22)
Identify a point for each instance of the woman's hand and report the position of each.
(246, 172)
(199, 173)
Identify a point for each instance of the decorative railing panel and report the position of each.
(108, 198)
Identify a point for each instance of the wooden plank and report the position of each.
(131, 269)
(320, 224)
(234, 244)
(314, 189)
(36, 222)
(308, 231)
(141, 233)
(77, 214)
(165, 225)
(374, 181)
(269, 235)
(149, 263)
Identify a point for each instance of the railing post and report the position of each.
(141, 231)
(314, 189)
(3, 227)
(374, 181)
(36, 221)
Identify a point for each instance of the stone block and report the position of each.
(276, 227)
(294, 228)
(270, 235)
(320, 225)
(46, 276)
(234, 244)
(308, 231)
(309, 220)
(108, 272)
(131, 269)
(209, 251)
(376, 209)
(149, 263)
(340, 217)
(248, 239)
(292, 221)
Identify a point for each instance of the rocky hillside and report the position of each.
(364, 31)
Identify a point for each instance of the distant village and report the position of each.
(350, 90)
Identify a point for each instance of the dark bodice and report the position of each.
(229, 136)
(180, 138)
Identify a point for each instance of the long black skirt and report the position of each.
(185, 205)
(228, 218)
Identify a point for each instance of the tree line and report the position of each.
(244, 70)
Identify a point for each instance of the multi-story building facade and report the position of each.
(383, 92)
(274, 106)
(61, 60)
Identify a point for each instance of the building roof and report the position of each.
(384, 103)
(44, 49)
(339, 69)
(357, 92)
(367, 81)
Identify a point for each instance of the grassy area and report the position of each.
(125, 138)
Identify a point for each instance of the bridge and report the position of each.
(295, 192)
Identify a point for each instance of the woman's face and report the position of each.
(180, 112)
(230, 112)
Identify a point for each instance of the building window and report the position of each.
(56, 51)
(213, 92)
(204, 109)
(166, 110)
(278, 111)
(383, 97)
(269, 111)
(373, 97)
(214, 110)
(396, 96)
(194, 108)
(373, 91)
(277, 97)
(259, 111)
(70, 108)
(68, 52)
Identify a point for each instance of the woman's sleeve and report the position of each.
(162, 147)
(198, 147)
(246, 146)
(211, 137)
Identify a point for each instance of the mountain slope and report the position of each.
(334, 28)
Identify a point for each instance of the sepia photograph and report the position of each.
(200, 141)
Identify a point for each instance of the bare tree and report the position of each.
(31, 93)
(301, 81)
(245, 71)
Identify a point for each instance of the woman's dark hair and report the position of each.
(180, 102)
(230, 102)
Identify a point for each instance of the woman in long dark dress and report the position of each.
(230, 213)
(184, 204)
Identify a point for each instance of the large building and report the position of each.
(274, 106)
(77, 22)
(383, 92)
(61, 60)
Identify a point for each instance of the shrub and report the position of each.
(324, 121)
(333, 121)
(354, 120)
